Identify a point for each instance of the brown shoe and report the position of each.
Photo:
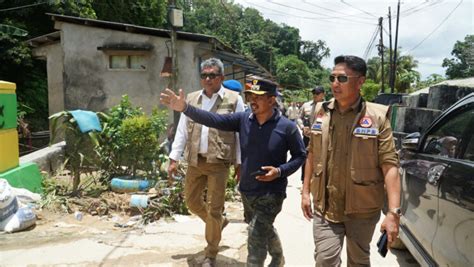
(209, 262)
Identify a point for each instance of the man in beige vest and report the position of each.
(209, 153)
(351, 159)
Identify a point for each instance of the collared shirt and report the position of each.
(305, 114)
(339, 160)
(262, 145)
(181, 136)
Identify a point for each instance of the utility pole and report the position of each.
(175, 19)
(382, 89)
(390, 77)
(395, 51)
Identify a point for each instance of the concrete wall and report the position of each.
(443, 96)
(53, 54)
(90, 84)
(411, 120)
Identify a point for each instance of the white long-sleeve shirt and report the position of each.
(181, 136)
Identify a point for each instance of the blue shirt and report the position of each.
(261, 145)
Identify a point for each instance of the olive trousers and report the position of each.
(212, 176)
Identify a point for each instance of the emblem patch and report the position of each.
(365, 122)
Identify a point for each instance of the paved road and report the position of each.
(62, 240)
(297, 238)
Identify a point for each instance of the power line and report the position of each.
(342, 1)
(437, 27)
(370, 46)
(21, 7)
(335, 11)
(328, 19)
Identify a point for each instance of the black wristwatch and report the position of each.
(396, 211)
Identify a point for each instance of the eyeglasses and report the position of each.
(341, 78)
(211, 76)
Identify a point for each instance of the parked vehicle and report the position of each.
(437, 171)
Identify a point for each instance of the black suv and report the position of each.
(437, 171)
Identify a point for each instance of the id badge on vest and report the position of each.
(317, 128)
(365, 131)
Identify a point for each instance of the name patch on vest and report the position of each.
(226, 106)
(317, 127)
(366, 132)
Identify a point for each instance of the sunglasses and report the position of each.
(341, 78)
(211, 76)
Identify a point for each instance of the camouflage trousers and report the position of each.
(260, 213)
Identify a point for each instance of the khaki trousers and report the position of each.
(329, 238)
(212, 176)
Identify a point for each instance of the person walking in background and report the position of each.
(306, 116)
(351, 162)
(265, 137)
(209, 153)
(293, 112)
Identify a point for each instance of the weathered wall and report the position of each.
(90, 84)
(54, 65)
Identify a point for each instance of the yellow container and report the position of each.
(9, 154)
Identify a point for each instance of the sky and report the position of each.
(428, 29)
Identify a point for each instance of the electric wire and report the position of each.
(342, 1)
(437, 27)
(21, 7)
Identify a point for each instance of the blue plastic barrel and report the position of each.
(122, 185)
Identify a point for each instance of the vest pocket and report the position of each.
(316, 183)
(367, 198)
(366, 176)
(224, 145)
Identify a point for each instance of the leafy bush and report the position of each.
(129, 142)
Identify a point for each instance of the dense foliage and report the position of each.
(462, 65)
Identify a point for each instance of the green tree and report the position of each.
(462, 65)
(313, 53)
(370, 89)
(149, 13)
(292, 72)
(405, 76)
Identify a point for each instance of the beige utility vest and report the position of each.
(365, 186)
(221, 144)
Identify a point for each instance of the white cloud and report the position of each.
(350, 33)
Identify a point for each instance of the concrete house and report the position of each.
(92, 63)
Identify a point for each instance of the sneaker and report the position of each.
(225, 223)
(209, 262)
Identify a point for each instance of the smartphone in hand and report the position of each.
(258, 173)
(382, 244)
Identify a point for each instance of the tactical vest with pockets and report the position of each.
(365, 186)
(221, 144)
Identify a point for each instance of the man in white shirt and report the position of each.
(209, 153)
(293, 112)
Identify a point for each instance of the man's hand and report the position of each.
(306, 131)
(306, 206)
(390, 224)
(272, 174)
(173, 101)
(172, 171)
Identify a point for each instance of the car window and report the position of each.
(469, 153)
(446, 139)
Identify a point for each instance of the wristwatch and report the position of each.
(396, 211)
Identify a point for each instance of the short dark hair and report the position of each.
(354, 63)
(317, 90)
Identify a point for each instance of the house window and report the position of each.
(133, 62)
